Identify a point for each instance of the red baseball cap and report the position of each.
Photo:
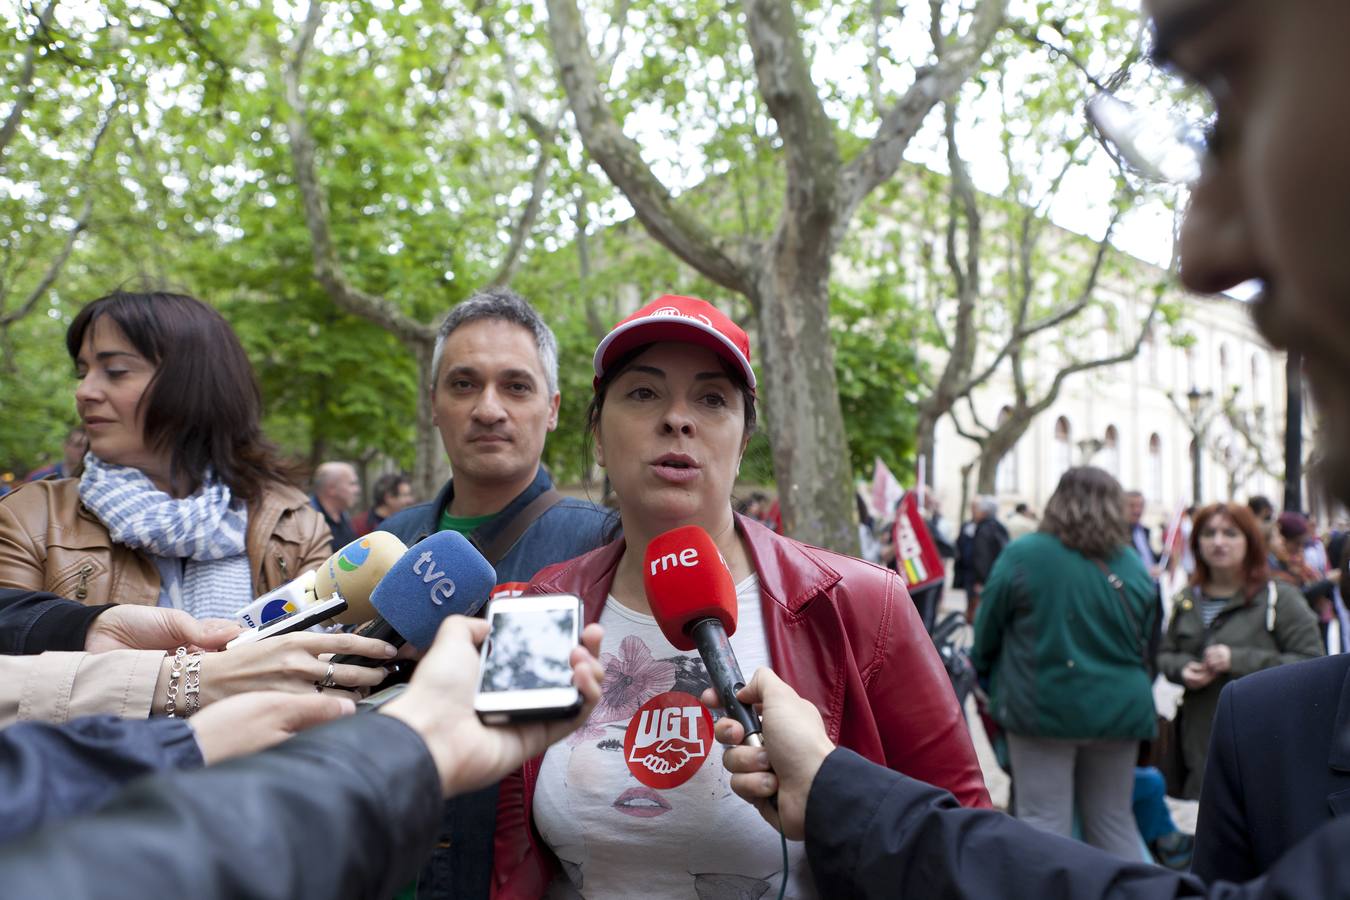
(673, 318)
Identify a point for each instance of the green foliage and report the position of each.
(877, 364)
(426, 159)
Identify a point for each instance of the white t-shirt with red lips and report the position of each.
(636, 802)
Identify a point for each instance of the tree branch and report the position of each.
(452, 59)
(879, 161)
(621, 158)
(327, 270)
(784, 78)
(977, 439)
(1123, 356)
(1030, 34)
(506, 269)
(1024, 332)
(81, 223)
(23, 95)
(546, 135)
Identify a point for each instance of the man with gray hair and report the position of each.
(989, 540)
(494, 398)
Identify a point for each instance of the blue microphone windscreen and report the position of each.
(441, 576)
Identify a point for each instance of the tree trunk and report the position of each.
(806, 424)
(925, 442)
(430, 466)
(999, 444)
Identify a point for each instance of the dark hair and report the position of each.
(616, 368)
(385, 485)
(1255, 568)
(1259, 505)
(203, 404)
(1087, 512)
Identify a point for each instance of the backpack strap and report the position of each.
(507, 537)
(1119, 585)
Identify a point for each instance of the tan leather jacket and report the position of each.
(49, 541)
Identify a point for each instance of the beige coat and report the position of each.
(58, 687)
(50, 542)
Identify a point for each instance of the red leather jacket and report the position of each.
(844, 633)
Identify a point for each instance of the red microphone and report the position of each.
(693, 599)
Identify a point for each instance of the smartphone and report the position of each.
(299, 620)
(524, 673)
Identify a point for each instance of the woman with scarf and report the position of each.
(182, 502)
(637, 801)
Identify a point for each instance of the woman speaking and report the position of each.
(615, 811)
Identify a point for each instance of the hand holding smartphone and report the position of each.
(524, 670)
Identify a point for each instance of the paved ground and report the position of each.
(1165, 695)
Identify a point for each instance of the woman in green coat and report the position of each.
(1230, 621)
(1062, 632)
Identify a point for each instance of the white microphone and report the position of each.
(351, 573)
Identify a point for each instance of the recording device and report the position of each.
(693, 599)
(300, 620)
(525, 672)
(441, 576)
(350, 573)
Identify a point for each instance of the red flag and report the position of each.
(916, 555)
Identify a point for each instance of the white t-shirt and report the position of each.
(636, 802)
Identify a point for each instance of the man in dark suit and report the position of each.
(1279, 766)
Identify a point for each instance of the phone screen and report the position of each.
(528, 650)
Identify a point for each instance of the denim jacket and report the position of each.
(461, 864)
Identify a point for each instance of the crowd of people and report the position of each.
(144, 757)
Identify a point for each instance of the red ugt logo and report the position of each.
(668, 740)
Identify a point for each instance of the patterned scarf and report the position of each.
(197, 543)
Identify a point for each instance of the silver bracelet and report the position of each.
(171, 704)
(192, 684)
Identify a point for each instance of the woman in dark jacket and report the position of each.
(1062, 631)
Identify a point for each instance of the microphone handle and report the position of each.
(724, 672)
(720, 661)
(376, 628)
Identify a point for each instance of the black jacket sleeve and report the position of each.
(35, 622)
(872, 832)
(348, 809)
(50, 772)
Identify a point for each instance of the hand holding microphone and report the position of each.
(783, 768)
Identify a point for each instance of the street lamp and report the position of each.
(1196, 400)
(1293, 432)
